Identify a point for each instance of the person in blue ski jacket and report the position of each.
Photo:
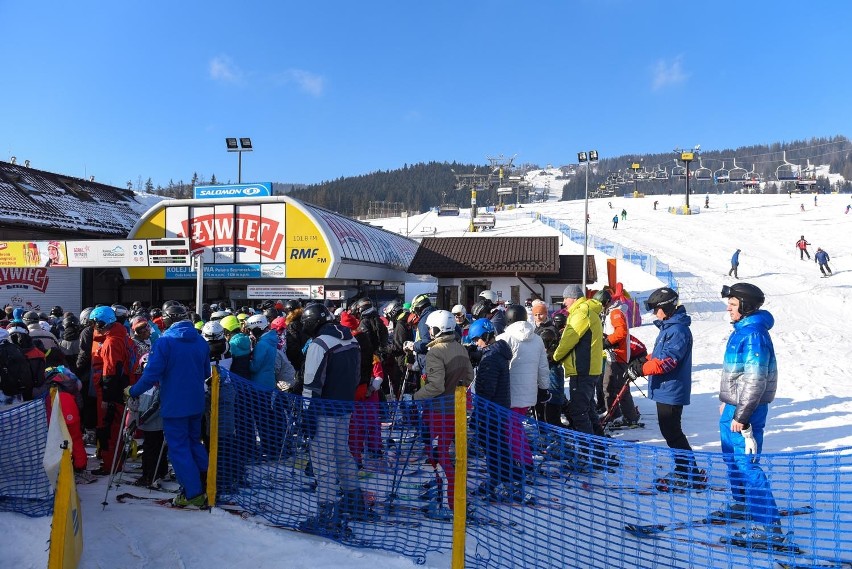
(822, 258)
(749, 382)
(735, 263)
(491, 383)
(180, 363)
(669, 373)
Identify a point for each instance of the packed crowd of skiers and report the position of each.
(569, 368)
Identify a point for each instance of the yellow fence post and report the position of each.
(214, 435)
(460, 496)
(66, 532)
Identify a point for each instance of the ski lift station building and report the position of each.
(272, 247)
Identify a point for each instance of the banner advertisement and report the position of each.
(39, 289)
(33, 254)
(108, 253)
(231, 191)
(279, 291)
(245, 234)
(216, 272)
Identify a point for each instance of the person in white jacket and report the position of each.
(529, 378)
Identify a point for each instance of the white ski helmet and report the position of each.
(441, 322)
(257, 322)
(459, 309)
(489, 295)
(213, 330)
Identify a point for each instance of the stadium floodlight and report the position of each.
(239, 146)
(586, 158)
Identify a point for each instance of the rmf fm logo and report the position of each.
(306, 254)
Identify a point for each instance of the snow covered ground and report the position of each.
(813, 342)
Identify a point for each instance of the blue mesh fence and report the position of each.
(24, 487)
(648, 263)
(381, 475)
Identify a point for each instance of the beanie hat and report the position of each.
(240, 345)
(573, 291)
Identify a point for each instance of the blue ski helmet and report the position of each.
(479, 329)
(103, 317)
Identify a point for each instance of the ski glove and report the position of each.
(607, 345)
(132, 402)
(634, 368)
(750, 442)
(544, 395)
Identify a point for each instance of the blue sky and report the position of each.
(328, 89)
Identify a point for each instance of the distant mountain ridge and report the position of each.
(418, 187)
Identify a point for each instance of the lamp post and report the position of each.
(687, 156)
(587, 158)
(239, 145)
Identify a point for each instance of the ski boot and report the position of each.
(196, 503)
(769, 537)
(732, 511)
(678, 481)
(326, 522)
(514, 493)
(354, 507)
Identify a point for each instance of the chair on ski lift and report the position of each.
(722, 175)
(702, 173)
(678, 172)
(737, 174)
(787, 172)
(807, 180)
(661, 173)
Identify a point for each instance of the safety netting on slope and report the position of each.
(648, 263)
(24, 487)
(383, 475)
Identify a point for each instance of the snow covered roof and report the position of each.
(50, 201)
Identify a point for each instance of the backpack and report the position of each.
(66, 381)
(284, 372)
(637, 348)
(15, 375)
(37, 364)
(133, 356)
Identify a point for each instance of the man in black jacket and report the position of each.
(332, 365)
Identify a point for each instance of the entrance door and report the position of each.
(470, 291)
(448, 296)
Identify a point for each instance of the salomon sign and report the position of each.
(234, 191)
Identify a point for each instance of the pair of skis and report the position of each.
(657, 531)
(652, 530)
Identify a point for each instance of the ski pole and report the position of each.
(159, 461)
(115, 453)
